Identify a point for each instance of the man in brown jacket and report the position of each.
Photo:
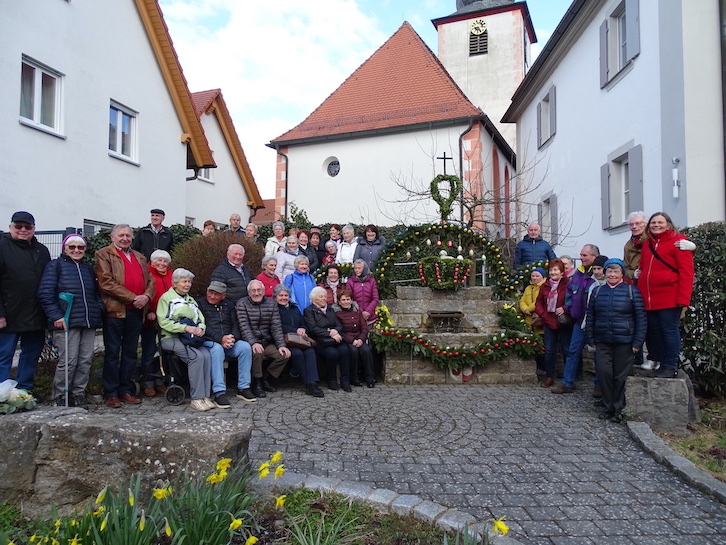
(126, 288)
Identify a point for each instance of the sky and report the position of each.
(276, 61)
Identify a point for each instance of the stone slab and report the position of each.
(667, 405)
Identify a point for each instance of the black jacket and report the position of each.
(291, 318)
(147, 241)
(318, 322)
(220, 320)
(236, 282)
(21, 267)
(260, 322)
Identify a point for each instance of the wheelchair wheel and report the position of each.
(175, 395)
(137, 387)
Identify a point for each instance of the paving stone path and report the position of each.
(560, 475)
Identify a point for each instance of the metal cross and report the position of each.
(444, 159)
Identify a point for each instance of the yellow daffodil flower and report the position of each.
(33, 538)
(280, 501)
(167, 528)
(236, 523)
(279, 471)
(161, 493)
(72, 522)
(55, 542)
(251, 540)
(105, 522)
(263, 466)
(500, 527)
(75, 541)
(131, 498)
(264, 473)
(276, 457)
(99, 511)
(223, 473)
(101, 495)
(142, 521)
(224, 463)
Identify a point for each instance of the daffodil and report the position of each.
(167, 528)
(280, 501)
(276, 457)
(142, 521)
(99, 511)
(251, 540)
(105, 522)
(72, 522)
(33, 538)
(224, 463)
(101, 495)
(131, 498)
(263, 466)
(161, 493)
(75, 541)
(264, 473)
(279, 471)
(236, 523)
(215, 478)
(500, 527)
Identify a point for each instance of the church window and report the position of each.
(332, 166)
(478, 38)
(621, 185)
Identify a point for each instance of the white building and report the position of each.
(623, 111)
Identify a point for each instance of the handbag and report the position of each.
(188, 339)
(536, 322)
(293, 340)
(564, 321)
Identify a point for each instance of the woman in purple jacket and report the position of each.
(364, 289)
(355, 332)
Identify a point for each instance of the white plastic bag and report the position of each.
(6, 389)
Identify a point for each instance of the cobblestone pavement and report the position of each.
(560, 475)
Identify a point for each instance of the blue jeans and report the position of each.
(120, 340)
(31, 345)
(306, 364)
(574, 356)
(242, 352)
(552, 338)
(664, 337)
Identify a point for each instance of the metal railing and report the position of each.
(53, 240)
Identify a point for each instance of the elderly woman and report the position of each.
(331, 253)
(527, 306)
(286, 257)
(332, 284)
(149, 371)
(355, 333)
(251, 232)
(665, 279)
(179, 313)
(71, 274)
(370, 246)
(569, 265)
(267, 275)
(549, 305)
(303, 238)
(300, 283)
(364, 289)
(277, 241)
(347, 247)
(324, 326)
(303, 359)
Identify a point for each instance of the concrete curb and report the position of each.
(388, 501)
(641, 433)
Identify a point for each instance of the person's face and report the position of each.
(214, 297)
(302, 238)
(236, 256)
(658, 225)
(555, 273)
(75, 250)
(183, 285)
(614, 275)
(278, 231)
(270, 267)
(536, 277)
(156, 219)
(282, 298)
(160, 264)
(122, 238)
(347, 235)
(534, 231)
(331, 249)
(256, 292)
(302, 267)
(568, 264)
(314, 239)
(208, 230)
(345, 302)
(333, 275)
(250, 231)
(234, 221)
(370, 235)
(586, 257)
(598, 272)
(637, 226)
(334, 233)
(358, 269)
(320, 300)
(21, 230)
(292, 243)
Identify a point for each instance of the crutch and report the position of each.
(68, 298)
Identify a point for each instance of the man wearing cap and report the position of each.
(22, 262)
(222, 338)
(154, 236)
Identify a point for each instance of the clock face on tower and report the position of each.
(478, 26)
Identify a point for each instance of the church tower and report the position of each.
(485, 47)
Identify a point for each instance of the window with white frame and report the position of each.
(548, 219)
(205, 174)
(621, 180)
(40, 95)
(546, 117)
(122, 131)
(619, 40)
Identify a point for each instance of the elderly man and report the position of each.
(260, 325)
(154, 236)
(223, 339)
(126, 288)
(235, 224)
(22, 262)
(532, 248)
(233, 273)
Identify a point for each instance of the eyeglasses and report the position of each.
(75, 247)
(636, 223)
(21, 226)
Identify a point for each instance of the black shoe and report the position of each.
(371, 384)
(221, 401)
(346, 387)
(332, 385)
(246, 394)
(617, 418)
(605, 415)
(598, 403)
(313, 389)
(265, 381)
(80, 401)
(257, 388)
(60, 401)
(357, 384)
(666, 373)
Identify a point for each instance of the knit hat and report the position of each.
(540, 270)
(600, 261)
(615, 261)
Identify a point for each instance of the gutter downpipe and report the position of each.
(472, 120)
(287, 168)
(722, 19)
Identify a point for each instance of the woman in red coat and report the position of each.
(551, 304)
(666, 282)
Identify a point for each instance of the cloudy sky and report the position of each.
(276, 61)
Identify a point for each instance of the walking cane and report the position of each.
(68, 298)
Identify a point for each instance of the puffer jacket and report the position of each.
(528, 300)
(369, 250)
(529, 250)
(660, 286)
(286, 263)
(613, 317)
(318, 322)
(221, 319)
(549, 318)
(21, 267)
(300, 287)
(110, 273)
(346, 251)
(365, 293)
(260, 322)
(236, 282)
(576, 300)
(354, 325)
(172, 308)
(272, 246)
(65, 275)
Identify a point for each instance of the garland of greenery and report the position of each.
(444, 274)
(455, 188)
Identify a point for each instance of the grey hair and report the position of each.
(566, 257)
(593, 249)
(366, 268)
(160, 254)
(299, 259)
(638, 214)
(249, 285)
(348, 227)
(317, 290)
(331, 243)
(292, 237)
(279, 288)
(252, 225)
(121, 226)
(267, 259)
(180, 273)
(276, 223)
(235, 246)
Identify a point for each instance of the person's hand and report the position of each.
(528, 312)
(60, 323)
(559, 311)
(151, 316)
(301, 331)
(284, 352)
(684, 244)
(636, 273)
(333, 332)
(3, 323)
(257, 348)
(228, 341)
(636, 350)
(366, 314)
(357, 343)
(194, 330)
(140, 301)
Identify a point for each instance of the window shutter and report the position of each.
(605, 195)
(635, 175)
(553, 111)
(603, 54)
(632, 28)
(554, 221)
(539, 213)
(539, 124)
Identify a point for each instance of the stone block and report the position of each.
(381, 499)
(454, 520)
(404, 504)
(428, 511)
(666, 405)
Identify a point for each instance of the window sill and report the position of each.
(41, 128)
(546, 142)
(625, 70)
(123, 158)
(205, 180)
(617, 229)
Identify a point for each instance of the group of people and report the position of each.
(614, 306)
(133, 294)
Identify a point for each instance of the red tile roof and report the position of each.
(203, 100)
(401, 84)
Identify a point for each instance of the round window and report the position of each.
(333, 168)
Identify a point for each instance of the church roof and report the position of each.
(402, 84)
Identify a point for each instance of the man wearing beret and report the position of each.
(154, 236)
(22, 262)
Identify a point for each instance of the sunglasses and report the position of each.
(26, 226)
(75, 247)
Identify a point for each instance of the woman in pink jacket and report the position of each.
(364, 289)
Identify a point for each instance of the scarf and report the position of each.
(552, 296)
(334, 287)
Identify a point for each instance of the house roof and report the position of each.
(212, 102)
(489, 7)
(401, 85)
(176, 83)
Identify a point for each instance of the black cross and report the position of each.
(444, 159)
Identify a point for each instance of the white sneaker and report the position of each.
(650, 365)
(210, 404)
(199, 405)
